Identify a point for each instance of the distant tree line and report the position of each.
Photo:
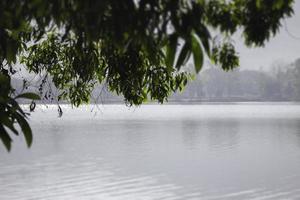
(213, 84)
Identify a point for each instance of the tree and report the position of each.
(137, 47)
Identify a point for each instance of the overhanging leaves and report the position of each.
(25, 129)
(205, 37)
(28, 95)
(5, 138)
(171, 50)
(197, 54)
(183, 55)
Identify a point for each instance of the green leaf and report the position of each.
(184, 55)
(197, 54)
(15, 105)
(11, 51)
(25, 129)
(171, 50)
(29, 95)
(258, 4)
(5, 138)
(204, 36)
(8, 123)
(278, 4)
(32, 106)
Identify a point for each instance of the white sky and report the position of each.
(281, 48)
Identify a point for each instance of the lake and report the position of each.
(169, 152)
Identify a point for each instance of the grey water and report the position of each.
(169, 152)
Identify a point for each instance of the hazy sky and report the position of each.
(283, 47)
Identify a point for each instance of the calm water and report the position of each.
(236, 151)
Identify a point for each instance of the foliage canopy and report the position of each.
(136, 47)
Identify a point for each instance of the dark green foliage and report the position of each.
(184, 55)
(197, 54)
(171, 50)
(225, 56)
(11, 112)
(131, 46)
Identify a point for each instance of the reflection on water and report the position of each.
(243, 151)
(223, 133)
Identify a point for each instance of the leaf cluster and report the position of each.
(11, 113)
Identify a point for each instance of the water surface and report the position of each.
(214, 151)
